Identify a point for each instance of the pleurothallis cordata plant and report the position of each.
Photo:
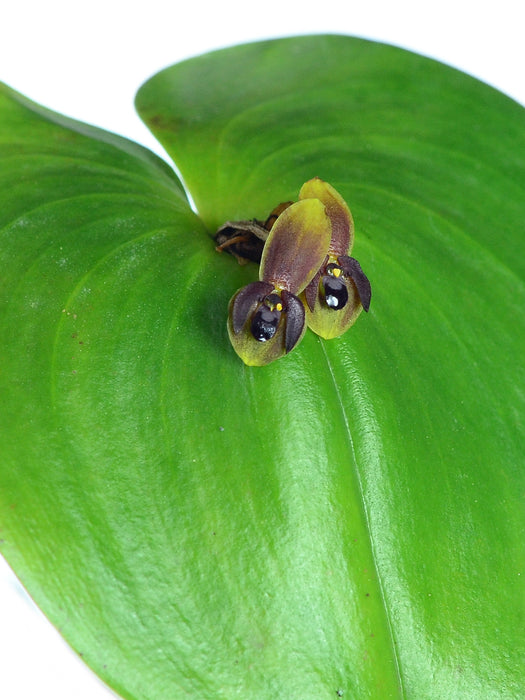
(346, 521)
(266, 319)
(305, 251)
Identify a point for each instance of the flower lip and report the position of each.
(264, 322)
(335, 291)
(266, 318)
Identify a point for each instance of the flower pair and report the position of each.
(306, 278)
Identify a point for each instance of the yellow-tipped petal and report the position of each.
(296, 246)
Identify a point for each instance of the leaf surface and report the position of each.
(347, 519)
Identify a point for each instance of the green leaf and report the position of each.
(348, 519)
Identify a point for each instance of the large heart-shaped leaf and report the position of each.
(348, 519)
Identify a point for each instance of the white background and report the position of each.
(87, 60)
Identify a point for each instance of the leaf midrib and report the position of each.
(348, 434)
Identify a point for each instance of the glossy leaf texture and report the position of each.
(348, 519)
